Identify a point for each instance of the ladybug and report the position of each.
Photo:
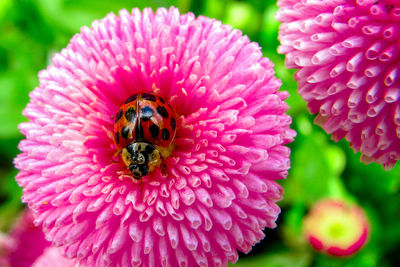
(144, 131)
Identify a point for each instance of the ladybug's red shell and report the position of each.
(144, 117)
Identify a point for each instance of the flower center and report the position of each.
(336, 230)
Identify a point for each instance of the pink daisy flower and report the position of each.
(336, 228)
(212, 195)
(26, 246)
(348, 61)
(52, 257)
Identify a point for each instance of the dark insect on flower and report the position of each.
(144, 131)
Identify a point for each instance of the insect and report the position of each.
(144, 131)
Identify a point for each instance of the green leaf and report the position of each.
(71, 15)
(293, 226)
(10, 194)
(243, 16)
(4, 7)
(317, 164)
(277, 259)
(215, 9)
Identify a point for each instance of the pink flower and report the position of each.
(217, 192)
(52, 257)
(348, 61)
(336, 227)
(26, 246)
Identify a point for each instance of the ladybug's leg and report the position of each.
(163, 169)
(165, 152)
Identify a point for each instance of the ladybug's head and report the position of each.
(141, 158)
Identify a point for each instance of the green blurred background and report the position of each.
(32, 30)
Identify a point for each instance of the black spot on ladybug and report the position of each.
(165, 134)
(139, 132)
(119, 115)
(162, 111)
(146, 113)
(130, 114)
(161, 99)
(125, 132)
(148, 96)
(173, 123)
(154, 130)
(130, 148)
(149, 149)
(117, 137)
(131, 98)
